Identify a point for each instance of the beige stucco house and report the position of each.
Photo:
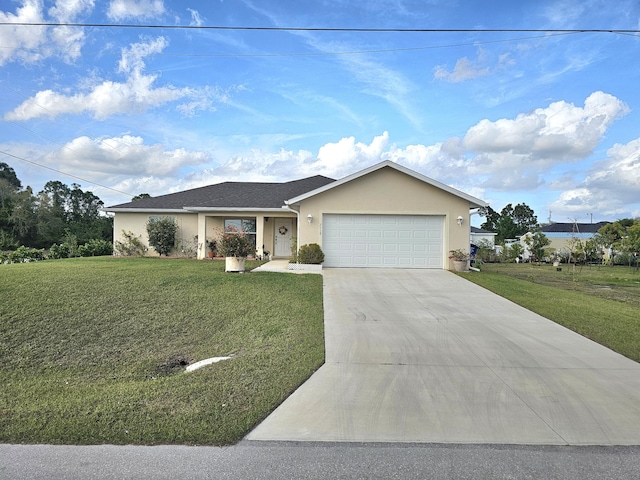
(384, 216)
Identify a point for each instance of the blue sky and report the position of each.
(546, 119)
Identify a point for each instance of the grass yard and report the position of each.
(600, 302)
(93, 350)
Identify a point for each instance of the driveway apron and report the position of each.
(426, 356)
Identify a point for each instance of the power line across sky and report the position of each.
(327, 29)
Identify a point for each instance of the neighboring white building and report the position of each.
(478, 235)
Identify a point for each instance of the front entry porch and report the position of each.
(272, 235)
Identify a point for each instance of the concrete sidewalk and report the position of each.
(425, 356)
(281, 266)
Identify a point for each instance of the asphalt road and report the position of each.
(309, 460)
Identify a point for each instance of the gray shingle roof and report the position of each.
(479, 230)
(230, 195)
(569, 227)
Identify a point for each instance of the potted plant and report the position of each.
(213, 248)
(235, 245)
(460, 259)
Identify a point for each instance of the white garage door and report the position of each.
(391, 241)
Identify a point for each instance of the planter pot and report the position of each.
(460, 265)
(210, 254)
(234, 264)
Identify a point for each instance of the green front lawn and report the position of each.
(600, 302)
(93, 350)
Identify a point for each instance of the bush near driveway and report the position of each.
(92, 349)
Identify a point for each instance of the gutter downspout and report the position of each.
(297, 212)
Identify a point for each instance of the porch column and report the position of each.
(202, 236)
(259, 234)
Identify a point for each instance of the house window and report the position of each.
(160, 217)
(246, 225)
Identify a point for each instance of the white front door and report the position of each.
(283, 236)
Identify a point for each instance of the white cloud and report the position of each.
(347, 156)
(610, 188)
(128, 155)
(507, 154)
(137, 93)
(35, 43)
(196, 19)
(135, 9)
(464, 70)
(558, 133)
(68, 10)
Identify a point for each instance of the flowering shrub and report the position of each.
(235, 243)
(458, 254)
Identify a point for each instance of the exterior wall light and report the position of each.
(460, 219)
(309, 218)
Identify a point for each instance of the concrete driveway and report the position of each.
(425, 356)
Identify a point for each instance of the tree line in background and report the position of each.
(60, 215)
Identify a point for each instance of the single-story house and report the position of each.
(562, 235)
(383, 216)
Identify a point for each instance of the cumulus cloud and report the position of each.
(535, 141)
(135, 9)
(610, 188)
(67, 10)
(559, 131)
(127, 155)
(35, 43)
(137, 93)
(504, 155)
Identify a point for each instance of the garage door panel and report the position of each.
(402, 241)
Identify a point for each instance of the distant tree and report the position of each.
(506, 228)
(524, 218)
(48, 217)
(140, 197)
(9, 175)
(511, 222)
(536, 242)
(514, 251)
(162, 234)
(632, 240)
(23, 217)
(63, 210)
(491, 218)
(610, 237)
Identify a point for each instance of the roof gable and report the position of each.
(474, 202)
